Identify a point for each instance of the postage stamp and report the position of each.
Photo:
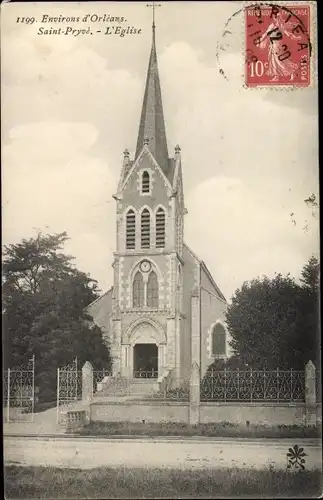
(278, 46)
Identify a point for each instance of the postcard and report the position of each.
(160, 260)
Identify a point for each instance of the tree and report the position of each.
(310, 276)
(274, 322)
(309, 338)
(44, 297)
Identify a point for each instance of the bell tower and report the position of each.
(149, 242)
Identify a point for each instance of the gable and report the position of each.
(159, 185)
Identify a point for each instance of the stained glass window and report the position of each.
(218, 340)
(152, 290)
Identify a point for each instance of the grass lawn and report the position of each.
(41, 482)
(221, 429)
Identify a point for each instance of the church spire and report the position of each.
(152, 126)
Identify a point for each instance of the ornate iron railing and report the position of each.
(318, 386)
(145, 373)
(167, 394)
(253, 385)
(19, 392)
(69, 388)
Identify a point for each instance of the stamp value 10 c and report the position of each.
(278, 47)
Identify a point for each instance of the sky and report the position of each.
(71, 105)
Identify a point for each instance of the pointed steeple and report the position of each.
(152, 126)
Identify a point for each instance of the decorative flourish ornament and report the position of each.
(295, 457)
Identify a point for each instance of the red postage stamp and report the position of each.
(278, 46)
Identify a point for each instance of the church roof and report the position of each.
(206, 271)
(152, 124)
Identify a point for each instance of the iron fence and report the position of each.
(253, 385)
(19, 392)
(69, 387)
(167, 394)
(318, 386)
(145, 374)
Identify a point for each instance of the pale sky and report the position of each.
(71, 105)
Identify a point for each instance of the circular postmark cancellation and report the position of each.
(277, 47)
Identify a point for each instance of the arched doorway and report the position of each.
(145, 361)
(143, 351)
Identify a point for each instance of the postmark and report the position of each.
(278, 47)
(242, 32)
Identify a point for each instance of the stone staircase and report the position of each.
(121, 388)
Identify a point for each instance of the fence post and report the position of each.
(76, 378)
(57, 406)
(8, 405)
(194, 401)
(33, 390)
(87, 382)
(310, 394)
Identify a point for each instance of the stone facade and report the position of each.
(176, 313)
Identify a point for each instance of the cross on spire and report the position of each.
(153, 5)
(152, 131)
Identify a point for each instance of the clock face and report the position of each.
(145, 266)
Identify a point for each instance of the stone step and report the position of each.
(127, 387)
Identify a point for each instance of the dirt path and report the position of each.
(87, 453)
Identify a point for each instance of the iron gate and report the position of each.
(69, 388)
(19, 392)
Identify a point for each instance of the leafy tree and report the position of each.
(274, 322)
(310, 276)
(309, 338)
(44, 297)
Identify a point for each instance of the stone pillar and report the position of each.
(116, 351)
(171, 352)
(161, 359)
(310, 394)
(177, 352)
(128, 370)
(131, 360)
(194, 406)
(195, 328)
(123, 364)
(87, 382)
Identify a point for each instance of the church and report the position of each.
(164, 311)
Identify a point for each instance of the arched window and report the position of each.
(145, 182)
(131, 230)
(218, 340)
(145, 229)
(152, 290)
(138, 290)
(160, 228)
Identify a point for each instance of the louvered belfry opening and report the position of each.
(131, 230)
(160, 228)
(145, 229)
(145, 182)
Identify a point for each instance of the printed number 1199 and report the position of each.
(257, 68)
(26, 20)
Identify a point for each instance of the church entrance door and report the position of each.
(145, 361)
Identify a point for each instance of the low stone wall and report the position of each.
(140, 411)
(254, 413)
(237, 413)
(194, 412)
